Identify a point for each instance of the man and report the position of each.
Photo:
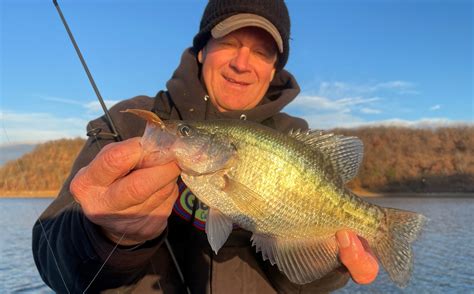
(108, 226)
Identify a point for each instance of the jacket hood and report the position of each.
(189, 94)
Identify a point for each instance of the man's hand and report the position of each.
(123, 198)
(357, 257)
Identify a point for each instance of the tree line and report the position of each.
(44, 168)
(395, 160)
(415, 160)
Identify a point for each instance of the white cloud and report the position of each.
(435, 107)
(435, 122)
(323, 103)
(401, 87)
(94, 106)
(20, 127)
(342, 104)
(323, 112)
(341, 89)
(367, 110)
(347, 120)
(346, 105)
(332, 120)
(61, 100)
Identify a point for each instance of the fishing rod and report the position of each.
(111, 124)
(109, 119)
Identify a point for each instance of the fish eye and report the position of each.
(184, 130)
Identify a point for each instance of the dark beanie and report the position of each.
(275, 11)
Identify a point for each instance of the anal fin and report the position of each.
(301, 260)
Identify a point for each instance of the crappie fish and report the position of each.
(287, 189)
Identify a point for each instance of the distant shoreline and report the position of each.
(364, 194)
(29, 194)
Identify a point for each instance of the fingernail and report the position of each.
(343, 239)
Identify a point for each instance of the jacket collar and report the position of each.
(190, 96)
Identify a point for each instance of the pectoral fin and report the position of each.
(244, 198)
(302, 260)
(218, 228)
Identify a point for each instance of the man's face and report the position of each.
(238, 68)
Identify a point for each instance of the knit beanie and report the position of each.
(224, 16)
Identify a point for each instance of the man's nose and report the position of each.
(240, 62)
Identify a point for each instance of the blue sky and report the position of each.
(358, 62)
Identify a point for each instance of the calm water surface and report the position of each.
(18, 272)
(444, 255)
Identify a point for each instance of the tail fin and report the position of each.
(393, 247)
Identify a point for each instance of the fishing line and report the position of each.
(115, 134)
(103, 264)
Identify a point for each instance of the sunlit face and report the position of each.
(238, 68)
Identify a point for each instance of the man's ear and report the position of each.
(273, 74)
(200, 55)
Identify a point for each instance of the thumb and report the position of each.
(114, 161)
(361, 264)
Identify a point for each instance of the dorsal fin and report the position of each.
(345, 153)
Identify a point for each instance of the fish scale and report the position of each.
(271, 159)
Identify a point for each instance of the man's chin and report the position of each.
(231, 107)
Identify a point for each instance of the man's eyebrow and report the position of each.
(268, 47)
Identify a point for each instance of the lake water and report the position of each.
(444, 255)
